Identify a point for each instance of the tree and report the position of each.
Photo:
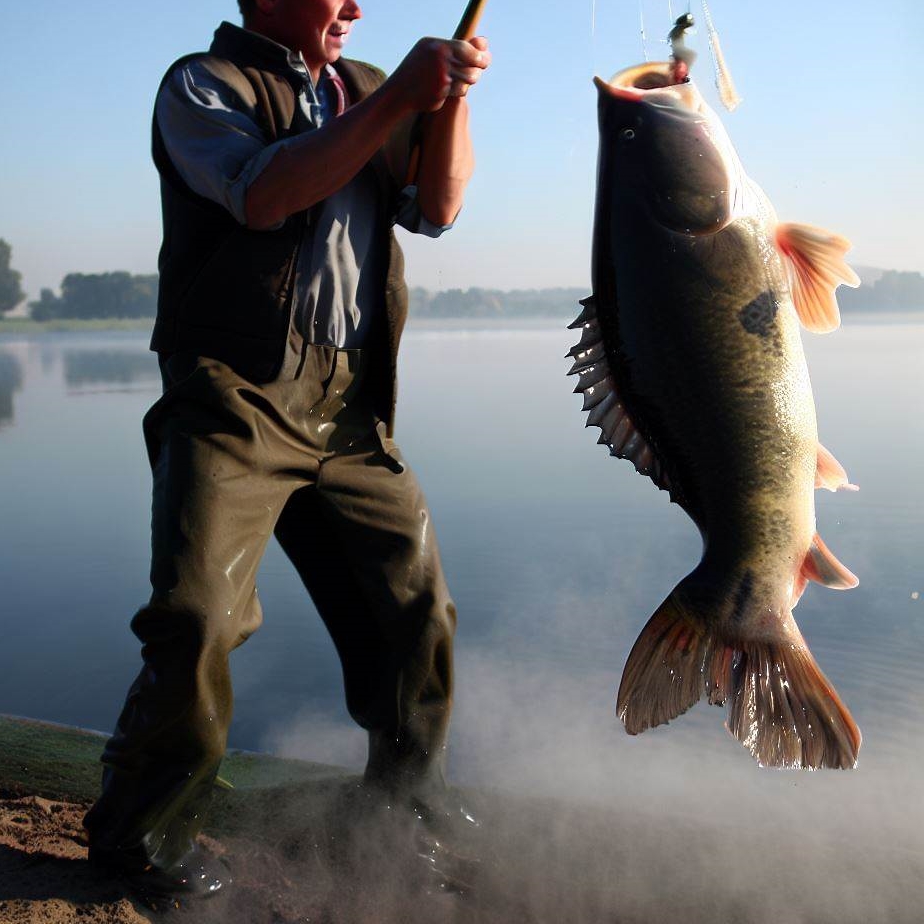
(11, 293)
(894, 290)
(47, 307)
(897, 289)
(100, 295)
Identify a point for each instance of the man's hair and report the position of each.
(246, 7)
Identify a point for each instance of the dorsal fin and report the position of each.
(601, 399)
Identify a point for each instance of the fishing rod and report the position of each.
(469, 21)
(465, 31)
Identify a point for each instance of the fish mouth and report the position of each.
(654, 82)
(673, 151)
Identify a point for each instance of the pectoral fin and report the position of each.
(830, 473)
(815, 258)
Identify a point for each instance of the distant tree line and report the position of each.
(94, 295)
(495, 303)
(894, 290)
(99, 295)
(123, 295)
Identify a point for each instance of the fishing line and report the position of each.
(641, 20)
(593, 38)
(723, 80)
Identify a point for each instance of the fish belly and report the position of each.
(712, 370)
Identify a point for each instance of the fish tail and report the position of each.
(781, 707)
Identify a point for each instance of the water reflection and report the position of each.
(10, 383)
(97, 367)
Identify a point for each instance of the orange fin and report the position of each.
(664, 674)
(830, 473)
(822, 567)
(784, 710)
(780, 705)
(817, 268)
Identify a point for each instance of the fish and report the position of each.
(690, 362)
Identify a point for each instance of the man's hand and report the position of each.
(436, 69)
(320, 162)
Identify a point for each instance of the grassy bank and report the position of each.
(28, 326)
(461, 322)
(58, 762)
(62, 763)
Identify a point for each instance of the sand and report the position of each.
(44, 876)
(312, 875)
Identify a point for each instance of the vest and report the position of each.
(227, 292)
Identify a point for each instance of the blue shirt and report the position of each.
(213, 139)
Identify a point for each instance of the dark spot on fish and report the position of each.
(758, 316)
(743, 596)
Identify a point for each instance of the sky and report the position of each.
(830, 125)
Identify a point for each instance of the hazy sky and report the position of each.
(830, 125)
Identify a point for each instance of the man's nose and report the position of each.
(351, 10)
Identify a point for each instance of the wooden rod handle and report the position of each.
(468, 24)
(464, 31)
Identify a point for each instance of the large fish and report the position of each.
(691, 363)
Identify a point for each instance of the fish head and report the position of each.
(661, 145)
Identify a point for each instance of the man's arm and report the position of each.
(447, 159)
(320, 162)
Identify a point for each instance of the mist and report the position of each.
(581, 823)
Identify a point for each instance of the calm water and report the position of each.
(556, 556)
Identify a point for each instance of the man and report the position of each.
(283, 167)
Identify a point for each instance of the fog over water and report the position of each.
(556, 556)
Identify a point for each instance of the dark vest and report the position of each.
(226, 291)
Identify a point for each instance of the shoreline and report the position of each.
(415, 322)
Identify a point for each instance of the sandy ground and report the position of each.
(45, 877)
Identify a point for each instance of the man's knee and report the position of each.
(440, 611)
(189, 625)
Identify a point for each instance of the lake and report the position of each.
(556, 556)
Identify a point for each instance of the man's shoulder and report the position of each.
(204, 69)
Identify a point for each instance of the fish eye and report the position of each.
(627, 134)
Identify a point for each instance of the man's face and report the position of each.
(316, 28)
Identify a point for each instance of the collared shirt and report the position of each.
(217, 147)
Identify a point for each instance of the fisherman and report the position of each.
(283, 168)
